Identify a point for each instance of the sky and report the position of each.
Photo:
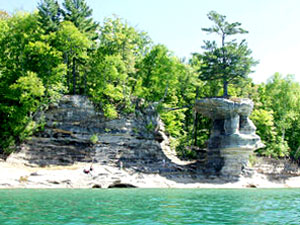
(273, 25)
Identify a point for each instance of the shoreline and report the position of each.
(15, 176)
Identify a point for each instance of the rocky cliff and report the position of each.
(76, 132)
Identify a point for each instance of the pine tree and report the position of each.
(79, 13)
(49, 15)
(231, 61)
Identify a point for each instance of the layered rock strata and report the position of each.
(76, 132)
(232, 137)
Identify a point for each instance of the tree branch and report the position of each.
(165, 94)
(183, 107)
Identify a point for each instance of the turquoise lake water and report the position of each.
(150, 206)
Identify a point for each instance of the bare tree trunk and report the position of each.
(283, 134)
(225, 88)
(85, 83)
(74, 75)
(67, 62)
(196, 121)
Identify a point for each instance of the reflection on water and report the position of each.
(150, 206)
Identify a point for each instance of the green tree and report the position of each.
(119, 38)
(112, 75)
(229, 62)
(156, 73)
(283, 94)
(31, 75)
(276, 116)
(275, 146)
(74, 46)
(49, 15)
(108, 87)
(293, 139)
(164, 79)
(80, 14)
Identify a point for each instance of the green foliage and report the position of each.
(119, 38)
(276, 116)
(107, 130)
(292, 137)
(27, 92)
(110, 87)
(74, 45)
(26, 89)
(73, 33)
(49, 15)
(31, 76)
(275, 146)
(164, 79)
(157, 72)
(253, 160)
(112, 73)
(79, 13)
(173, 121)
(110, 111)
(94, 138)
(150, 126)
(69, 38)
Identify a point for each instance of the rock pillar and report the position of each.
(233, 136)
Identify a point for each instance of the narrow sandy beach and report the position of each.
(21, 176)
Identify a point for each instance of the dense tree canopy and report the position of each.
(277, 114)
(61, 50)
(31, 75)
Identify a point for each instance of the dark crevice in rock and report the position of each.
(122, 185)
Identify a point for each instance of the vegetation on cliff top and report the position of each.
(61, 50)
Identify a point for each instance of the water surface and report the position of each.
(150, 206)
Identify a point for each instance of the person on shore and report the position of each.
(88, 171)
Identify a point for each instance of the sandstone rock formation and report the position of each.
(233, 136)
(128, 141)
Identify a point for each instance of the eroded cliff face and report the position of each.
(136, 141)
(130, 151)
(233, 136)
